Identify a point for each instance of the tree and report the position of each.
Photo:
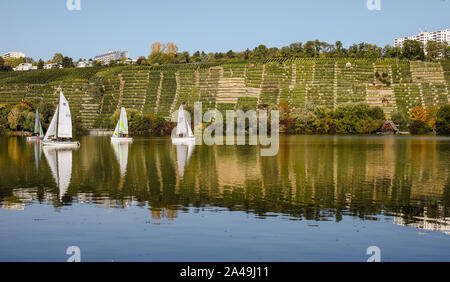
(141, 61)
(413, 50)
(443, 120)
(2, 63)
(309, 49)
(260, 53)
(58, 58)
(16, 113)
(400, 120)
(14, 62)
(391, 52)
(418, 113)
(40, 64)
(67, 62)
(182, 58)
(171, 48)
(339, 49)
(364, 50)
(419, 121)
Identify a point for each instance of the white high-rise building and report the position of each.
(111, 56)
(13, 55)
(424, 37)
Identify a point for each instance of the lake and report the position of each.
(321, 198)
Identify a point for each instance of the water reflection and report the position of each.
(312, 177)
(184, 153)
(121, 151)
(37, 152)
(60, 163)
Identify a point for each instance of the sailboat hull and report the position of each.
(61, 144)
(34, 138)
(121, 139)
(189, 140)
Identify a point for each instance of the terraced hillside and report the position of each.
(95, 95)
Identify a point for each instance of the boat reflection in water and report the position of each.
(121, 152)
(184, 153)
(37, 152)
(60, 163)
(312, 177)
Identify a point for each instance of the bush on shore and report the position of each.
(144, 124)
(350, 118)
(443, 120)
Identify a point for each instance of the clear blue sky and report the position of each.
(40, 28)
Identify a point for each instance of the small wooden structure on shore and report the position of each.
(389, 128)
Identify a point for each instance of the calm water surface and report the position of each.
(322, 198)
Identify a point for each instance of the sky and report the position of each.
(40, 28)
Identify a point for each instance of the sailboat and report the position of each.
(121, 131)
(184, 153)
(60, 162)
(59, 132)
(38, 132)
(184, 133)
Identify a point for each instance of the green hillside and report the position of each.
(95, 93)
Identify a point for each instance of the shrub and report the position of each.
(419, 127)
(15, 115)
(400, 121)
(143, 125)
(443, 120)
(78, 128)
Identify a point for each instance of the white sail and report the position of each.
(184, 153)
(121, 151)
(183, 126)
(64, 126)
(41, 132)
(116, 130)
(123, 121)
(36, 122)
(51, 131)
(60, 162)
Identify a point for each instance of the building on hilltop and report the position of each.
(111, 56)
(129, 61)
(13, 55)
(84, 64)
(25, 67)
(424, 37)
(52, 66)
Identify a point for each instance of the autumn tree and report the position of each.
(419, 121)
(163, 53)
(418, 113)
